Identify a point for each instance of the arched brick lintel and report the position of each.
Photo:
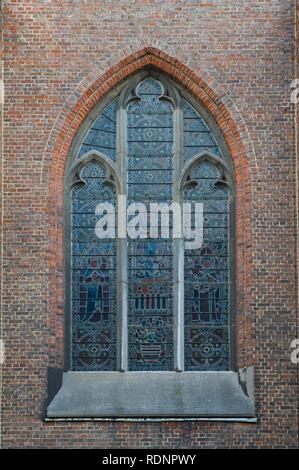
(66, 131)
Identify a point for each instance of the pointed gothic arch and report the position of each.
(231, 135)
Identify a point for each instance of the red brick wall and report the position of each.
(296, 125)
(60, 58)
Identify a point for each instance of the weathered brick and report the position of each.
(237, 58)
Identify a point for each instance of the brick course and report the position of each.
(237, 58)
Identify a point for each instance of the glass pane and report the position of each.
(197, 135)
(93, 276)
(207, 277)
(102, 134)
(150, 308)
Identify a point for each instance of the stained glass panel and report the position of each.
(207, 277)
(197, 135)
(150, 304)
(93, 274)
(102, 134)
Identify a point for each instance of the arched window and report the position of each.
(144, 297)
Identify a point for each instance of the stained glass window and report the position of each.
(151, 148)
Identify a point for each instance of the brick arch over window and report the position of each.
(63, 137)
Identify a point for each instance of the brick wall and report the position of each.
(60, 58)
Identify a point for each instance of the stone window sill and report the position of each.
(153, 395)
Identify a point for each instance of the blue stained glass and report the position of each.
(93, 276)
(197, 135)
(150, 317)
(207, 277)
(149, 87)
(93, 272)
(102, 134)
(208, 348)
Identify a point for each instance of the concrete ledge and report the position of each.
(154, 394)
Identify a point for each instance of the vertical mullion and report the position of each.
(178, 242)
(122, 248)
